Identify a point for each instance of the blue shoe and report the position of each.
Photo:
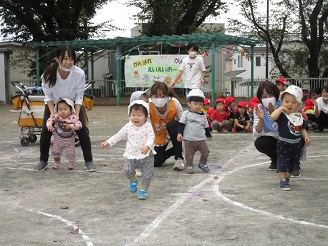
(133, 186)
(284, 185)
(142, 194)
(190, 170)
(204, 167)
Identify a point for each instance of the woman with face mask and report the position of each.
(165, 112)
(62, 79)
(194, 69)
(264, 128)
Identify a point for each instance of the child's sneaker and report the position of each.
(56, 166)
(142, 194)
(190, 170)
(284, 185)
(133, 186)
(204, 167)
(70, 167)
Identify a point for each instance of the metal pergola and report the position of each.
(122, 45)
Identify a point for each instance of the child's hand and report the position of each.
(314, 102)
(67, 126)
(209, 139)
(259, 111)
(220, 123)
(145, 149)
(270, 108)
(104, 145)
(179, 137)
(51, 128)
(307, 141)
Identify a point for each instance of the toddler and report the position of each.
(194, 131)
(242, 121)
(64, 122)
(291, 128)
(219, 117)
(282, 84)
(139, 151)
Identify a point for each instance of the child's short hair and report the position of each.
(195, 99)
(138, 107)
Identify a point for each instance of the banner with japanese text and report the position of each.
(144, 70)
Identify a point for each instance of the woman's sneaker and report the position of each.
(284, 185)
(190, 170)
(41, 166)
(204, 167)
(133, 186)
(142, 194)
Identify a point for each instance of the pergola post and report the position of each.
(213, 73)
(118, 75)
(252, 71)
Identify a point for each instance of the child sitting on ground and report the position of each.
(207, 110)
(219, 117)
(309, 111)
(194, 131)
(230, 103)
(282, 84)
(241, 119)
(64, 122)
(139, 151)
(291, 127)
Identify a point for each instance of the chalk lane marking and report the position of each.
(217, 191)
(68, 223)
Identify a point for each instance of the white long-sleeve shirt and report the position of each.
(137, 137)
(72, 87)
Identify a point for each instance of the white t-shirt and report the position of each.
(193, 69)
(321, 105)
(72, 87)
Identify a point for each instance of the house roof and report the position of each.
(233, 74)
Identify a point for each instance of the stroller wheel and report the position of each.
(33, 138)
(77, 141)
(25, 141)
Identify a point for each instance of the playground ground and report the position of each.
(237, 203)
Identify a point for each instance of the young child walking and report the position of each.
(64, 122)
(220, 122)
(194, 131)
(139, 151)
(242, 121)
(291, 128)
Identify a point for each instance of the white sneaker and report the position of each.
(179, 165)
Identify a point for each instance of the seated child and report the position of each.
(241, 119)
(220, 122)
(139, 151)
(64, 122)
(230, 108)
(309, 111)
(194, 131)
(282, 84)
(207, 111)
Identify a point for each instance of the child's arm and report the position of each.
(237, 123)
(50, 122)
(180, 131)
(75, 124)
(276, 113)
(248, 125)
(305, 136)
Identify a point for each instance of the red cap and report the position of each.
(242, 104)
(229, 100)
(219, 100)
(253, 102)
(282, 80)
(206, 101)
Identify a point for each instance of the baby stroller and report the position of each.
(31, 109)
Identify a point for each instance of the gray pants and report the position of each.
(146, 165)
(215, 125)
(190, 149)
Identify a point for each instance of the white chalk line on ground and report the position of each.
(68, 224)
(151, 227)
(217, 191)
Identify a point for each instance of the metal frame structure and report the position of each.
(122, 46)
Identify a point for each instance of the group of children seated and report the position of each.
(226, 117)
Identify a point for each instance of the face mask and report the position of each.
(66, 69)
(159, 102)
(192, 54)
(266, 101)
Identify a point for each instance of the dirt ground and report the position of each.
(237, 203)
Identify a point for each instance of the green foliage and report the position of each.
(168, 17)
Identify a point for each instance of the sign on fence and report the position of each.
(144, 70)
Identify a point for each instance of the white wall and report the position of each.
(2, 78)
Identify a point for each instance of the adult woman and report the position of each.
(63, 79)
(165, 112)
(321, 109)
(264, 128)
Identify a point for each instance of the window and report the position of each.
(258, 61)
(240, 61)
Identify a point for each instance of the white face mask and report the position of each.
(192, 54)
(66, 69)
(159, 102)
(266, 101)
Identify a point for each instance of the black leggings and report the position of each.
(162, 154)
(322, 120)
(83, 134)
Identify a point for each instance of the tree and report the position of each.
(306, 19)
(48, 20)
(168, 17)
